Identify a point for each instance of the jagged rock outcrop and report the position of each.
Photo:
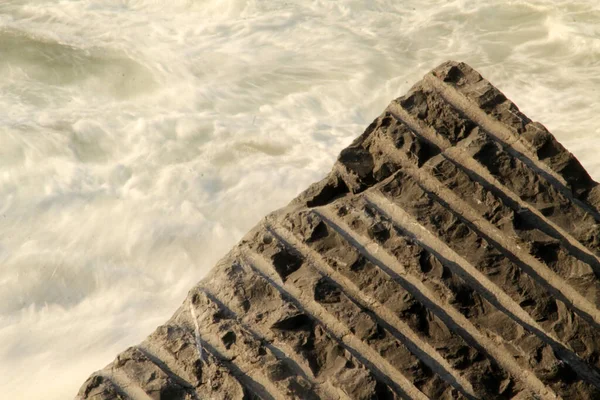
(453, 252)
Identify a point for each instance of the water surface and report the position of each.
(140, 139)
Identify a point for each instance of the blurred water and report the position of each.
(140, 139)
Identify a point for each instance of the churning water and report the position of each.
(140, 139)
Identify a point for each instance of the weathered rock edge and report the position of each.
(453, 252)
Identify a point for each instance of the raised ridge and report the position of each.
(452, 253)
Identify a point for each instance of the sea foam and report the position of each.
(141, 139)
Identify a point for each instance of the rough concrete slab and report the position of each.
(452, 252)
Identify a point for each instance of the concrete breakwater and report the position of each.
(452, 252)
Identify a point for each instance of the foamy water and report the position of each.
(140, 139)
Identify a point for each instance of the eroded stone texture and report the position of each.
(453, 252)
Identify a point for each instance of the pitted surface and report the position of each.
(452, 252)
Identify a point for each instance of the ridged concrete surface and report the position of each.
(453, 252)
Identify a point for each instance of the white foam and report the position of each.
(140, 139)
